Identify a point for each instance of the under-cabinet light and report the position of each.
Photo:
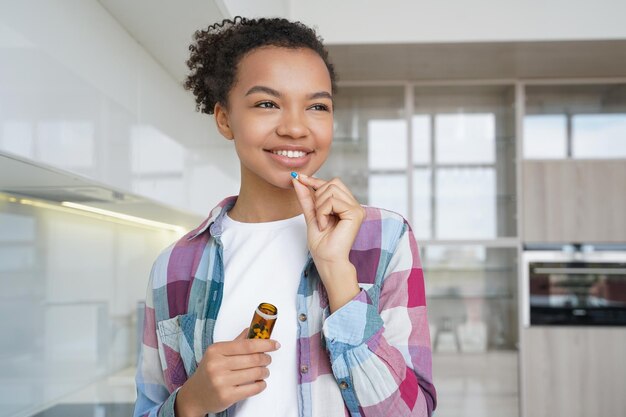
(95, 213)
(125, 217)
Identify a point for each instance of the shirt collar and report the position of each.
(214, 222)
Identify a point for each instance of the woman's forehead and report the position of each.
(283, 69)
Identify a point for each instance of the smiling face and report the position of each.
(279, 114)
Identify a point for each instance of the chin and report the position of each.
(287, 185)
(280, 182)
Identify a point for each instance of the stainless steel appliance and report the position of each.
(574, 285)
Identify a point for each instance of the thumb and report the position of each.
(314, 183)
(306, 201)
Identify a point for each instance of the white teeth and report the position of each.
(290, 154)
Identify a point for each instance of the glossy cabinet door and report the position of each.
(574, 201)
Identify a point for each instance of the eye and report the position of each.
(266, 105)
(320, 107)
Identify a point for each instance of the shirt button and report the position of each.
(304, 369)
(302, 317)
(343, 385)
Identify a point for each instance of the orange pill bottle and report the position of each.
(263, 321)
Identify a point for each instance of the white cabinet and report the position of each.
(573, 371)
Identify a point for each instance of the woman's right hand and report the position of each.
(228, 372)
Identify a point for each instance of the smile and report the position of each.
(291, 159)
(290, 154)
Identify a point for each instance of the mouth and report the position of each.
(290, 154)
(290, 158)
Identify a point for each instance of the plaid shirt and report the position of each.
(369, 358)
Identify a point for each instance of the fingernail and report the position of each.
(277, 345)
(294, 175)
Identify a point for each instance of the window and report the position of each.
(466, 203)
(599, 136)
(575, 121)
(421, 138)
(465, 138)
(389, 191)
(462, 173)
(386, 144)
(422, 216)
(545, 136)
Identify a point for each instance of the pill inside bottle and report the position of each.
(263, 321)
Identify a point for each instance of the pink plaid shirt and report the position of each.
(371, 357)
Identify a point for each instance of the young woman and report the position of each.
(352, 333)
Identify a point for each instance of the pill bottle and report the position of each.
(263, 321)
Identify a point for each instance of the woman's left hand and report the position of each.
(333, 218)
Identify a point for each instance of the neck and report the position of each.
(260, 202)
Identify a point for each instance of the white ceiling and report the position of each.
(164, 28)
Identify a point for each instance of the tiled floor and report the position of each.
(477, 385)
(113, 396)
(88, 410)
(469, 385)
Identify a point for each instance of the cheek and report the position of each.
(249, 128)
(328, 137)
(324, 134)
(249, 135)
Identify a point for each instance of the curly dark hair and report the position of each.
(218, 49)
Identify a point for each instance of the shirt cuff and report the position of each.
(167, 409)
(351, 325)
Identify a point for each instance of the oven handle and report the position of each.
(605, 271)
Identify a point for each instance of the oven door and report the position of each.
(582, 289)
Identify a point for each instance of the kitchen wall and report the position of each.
(77, 92)
(70, 287)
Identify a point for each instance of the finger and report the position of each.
(334, 183)
(334, 206)
(247, 346)
(312, 182)
(245, 391)
(306, 201)
(323, 218)
(247, 361)
(333, 191)
(246, 376)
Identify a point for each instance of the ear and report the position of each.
(222, 121)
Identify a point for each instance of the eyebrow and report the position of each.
(275, 93)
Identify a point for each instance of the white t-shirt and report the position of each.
(263, 263)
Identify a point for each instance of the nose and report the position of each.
(292, 124)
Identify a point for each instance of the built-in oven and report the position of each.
(574, 285)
